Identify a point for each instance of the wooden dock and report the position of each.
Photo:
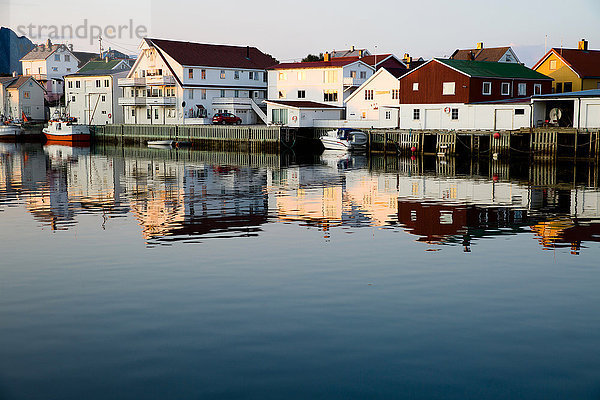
(251, 137)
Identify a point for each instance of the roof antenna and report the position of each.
(546, 44)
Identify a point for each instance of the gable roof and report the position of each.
(100, 65)
(41, 52)
(380, 71)
(486, 69)
(349, 53)
(585, 63)
(84, 57)
(493, 54)
(15, 82)
(213, 55)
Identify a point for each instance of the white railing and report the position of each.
(160, 80)
(132, 82)
(132, 101)
(349, 81)
(232, 100)
(160, 101)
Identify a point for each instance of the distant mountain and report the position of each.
(12, 49)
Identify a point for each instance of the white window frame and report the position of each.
(415, 86)
(503, 86)
(489, 87)
(454, 114)
(522, 88)
(416, 114)
(537, 89)
(369, 94)
(301, 94)
(448, 88)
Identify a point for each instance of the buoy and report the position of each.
(413, 149)
(496, 135)
(413, 158)
(495, 178)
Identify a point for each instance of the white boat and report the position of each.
(162, 143)
(10, 131)
(344, 139)
(66, 130)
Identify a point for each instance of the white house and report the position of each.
(48, 63)
(376, 103)
(92, 97)
(326, 83)
(21, 95)
(175, 82)
(579, 110)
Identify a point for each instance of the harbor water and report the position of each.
(132, 272)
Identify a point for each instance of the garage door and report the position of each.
(504, 120)
(433, 119)
(593, 116)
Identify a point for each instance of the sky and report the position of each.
(289, 30)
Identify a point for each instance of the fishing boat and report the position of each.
(10, 131)
(347, 139)
(162, 143)
(66, 130)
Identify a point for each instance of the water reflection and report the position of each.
(195, 196)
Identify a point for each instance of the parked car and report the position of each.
(226, 118)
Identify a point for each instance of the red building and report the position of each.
(441, 81)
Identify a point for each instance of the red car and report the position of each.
(226, 118)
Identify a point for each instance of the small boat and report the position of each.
(161, 142)
(10, 131)
(66, 130)
(344, 139)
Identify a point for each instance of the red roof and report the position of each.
(214, 55)
(493, 54)
(334, 63)
(585, 62)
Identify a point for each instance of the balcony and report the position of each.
(232, 101)
(161, 101)
(131, 82)
(160, 80)
(132, 101)
(349, 81)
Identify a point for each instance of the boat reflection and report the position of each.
(194, 196)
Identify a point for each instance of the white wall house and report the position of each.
(21, 95)
(326, 84)
(48, 63)
(92, 97)
(579, 110)
(176, 82)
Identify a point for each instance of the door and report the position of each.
(503, 120)
(433, 119)
(593, 116)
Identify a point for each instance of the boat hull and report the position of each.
(10, 133)
(76, 137)
(331, 143)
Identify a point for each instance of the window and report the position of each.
(133, 112)
(552, 65)
(257, 76)
(27, 110)
(191, 94)
(148, 113)
(97, 82)
(236, 75)
(282, 94)
(282, 76)
(537, 89)
(26, 95)
(103, 98)
(522, 89)
(363, 74)
(415, 86)
(103, 111)
(416, 114)
(559, 87)
(132, 93)
(520, 111)
(251, 75)
(106, 83)
(487, 88)
(352, 74)
(301, 75)
(203, 74)
(301, 94)
(505, 89)
(156, 113)
(54, 69)
(57, 57)
(222, 92)
(68, 69)
(236, 93)
(67, 58)
(330, 95)
(368, 95)
(395, 94)
(388, 115)
(70, 84)
(449, 89)
(280, 116)
(222, 74)
(568, 87)
(203, 94)
(330, 76)
(455, 114)
(191, 73)
(72, 99)
(77, 84)
(28, 71)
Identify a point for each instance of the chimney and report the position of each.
(106, 59)
(326, 56)
(352, 49)
(583, 45)
(480, 46)
(15, 74)
(248, 52)
(49, 43)
(360, 54)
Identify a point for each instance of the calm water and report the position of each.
(131, 273)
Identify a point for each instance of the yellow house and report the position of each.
(572, 69)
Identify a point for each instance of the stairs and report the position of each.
(261, 114)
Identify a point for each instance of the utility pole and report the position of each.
(100, 39)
